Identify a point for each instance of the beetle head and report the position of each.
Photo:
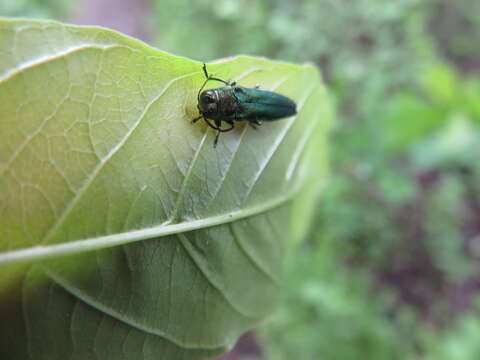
(208, 103)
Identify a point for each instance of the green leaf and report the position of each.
(123, 233)
(471, 98)
(409, 118)
(441, 84)
(455, 144)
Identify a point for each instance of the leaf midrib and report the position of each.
(79, 246)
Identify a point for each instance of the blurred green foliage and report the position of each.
(52, 9)
(391, 268)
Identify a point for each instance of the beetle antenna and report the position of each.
(217, 79)
(205, 70)
(200, 91)
(209, 77)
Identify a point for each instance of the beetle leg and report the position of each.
(210, 124)
(255, 122)
(213, 126)
(216, 139)
(231, 123)
(196, 119)
(218, 128)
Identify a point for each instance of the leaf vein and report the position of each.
(7, 75)
(183, 240)
(273, 150)
(249, 256)
(105, 160)
(119, 317)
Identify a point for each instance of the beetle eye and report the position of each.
(208, 97)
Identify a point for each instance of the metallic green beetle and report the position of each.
(232, 103)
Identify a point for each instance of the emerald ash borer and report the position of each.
(232, 103)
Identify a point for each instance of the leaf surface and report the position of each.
(123, 233)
